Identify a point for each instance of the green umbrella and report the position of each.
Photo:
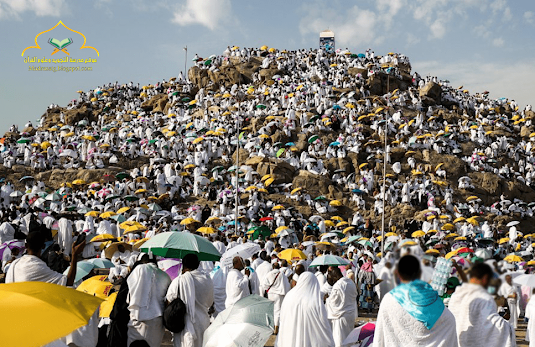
(261, 106)
(279, 152)
(24, 140)
(119, 218)
(353, 238)
(153, 141)
(321, 197)
(330, 260)
(154, 207)
(365, 243)
(131, 198)
(121, 175)
(178, 244)
(208, 62)
(249, 322)
(313, 138)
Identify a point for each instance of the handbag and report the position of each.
(266, 292)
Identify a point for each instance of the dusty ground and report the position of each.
(520, 332)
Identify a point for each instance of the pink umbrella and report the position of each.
(363, 335)
(11, 245)
(94, 185)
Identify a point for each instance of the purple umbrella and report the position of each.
(11, 245)
(173, 267)
(363, 334)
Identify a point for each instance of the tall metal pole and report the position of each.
(186, 62)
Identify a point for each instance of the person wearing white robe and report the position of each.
(388, 281)
(475, 311)
(65, 235)
(342, 306)
(147, 287)
(196, 290)
(277, 285)
(237, 286)
(407, 317)
(219, 280)
(512, 294)
(304, 319)
(530, 314)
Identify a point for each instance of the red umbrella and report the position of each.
(465, 250)
(263, 219)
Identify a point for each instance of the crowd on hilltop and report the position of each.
(318, 117)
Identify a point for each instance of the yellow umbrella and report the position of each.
(189, 221)
(135, 229)
(460, 238)
(102, 237)
(336, 203)
(348, 229)
(473, 221)
(292, 254)
(450, 254)
(363, 165)
(107, 214)
(265, 177)
(78, 182)
(213, 220)
(269, 181)
(278, 207)
(189, 166)
(55, 309)
(449, 236)
(139, 243)
(409, 243)
(432, 252)
(123, 210)
(89, 138)
(329, 223)
(206, 230)
(503, 240)
(140, 191)
(197, 140)
(513, 258)
(419, 233)
(460, 219)
(92, 214)
(448, 226)
(96, 285)
(107, 306)
(342, 223)
(251, 188)
(391, 234)
(295, 190)
(128, 223)
(281, 228)
(472, 198)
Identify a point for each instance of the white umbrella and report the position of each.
(245, 250)
(525, 280)
(316, 218)
(248, 323)
(16, 194)
(483, 253)
(513, 223)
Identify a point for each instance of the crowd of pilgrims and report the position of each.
(187, 155)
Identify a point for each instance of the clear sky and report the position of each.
(481, 44)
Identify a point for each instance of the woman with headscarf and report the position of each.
(366, 280)
(303, 318)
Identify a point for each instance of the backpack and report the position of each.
(174, 316)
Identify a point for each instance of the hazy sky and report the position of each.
(481, 44)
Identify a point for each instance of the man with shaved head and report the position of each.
(238, 285)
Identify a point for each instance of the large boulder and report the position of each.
(281, 171)
(315, 185)
(432, 90)
(155, 104)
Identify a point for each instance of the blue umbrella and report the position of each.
(290, 144)
(337, 107)
(330, 260)
(82, 269)
(335, 143)
(100, 263)
(361, 55)
(358, 191)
